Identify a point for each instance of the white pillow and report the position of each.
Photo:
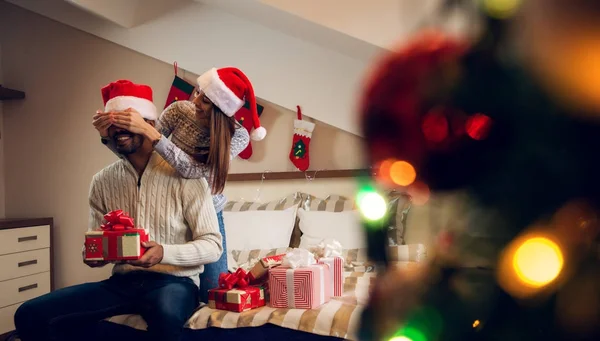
(344, 227)
(250, 230)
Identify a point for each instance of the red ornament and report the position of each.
(435, 126)
(478, 126)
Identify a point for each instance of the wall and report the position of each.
(2, 214)
(51, 148)
(284, 69)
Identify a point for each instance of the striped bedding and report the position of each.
(339, 317)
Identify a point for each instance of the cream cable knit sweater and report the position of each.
(177, 213)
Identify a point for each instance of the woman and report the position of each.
(204, 138)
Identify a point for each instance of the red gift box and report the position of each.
(116, 240)
(301, 288)
(234, 294)
(236, 299)
(259, 271)
(336, 273)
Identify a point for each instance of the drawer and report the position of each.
(24, 239)
(25, 288)
(7, 314)
(24, 263)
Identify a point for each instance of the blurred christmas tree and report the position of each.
(490, 118)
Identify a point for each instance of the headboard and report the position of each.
(422, 224)
(268, 186)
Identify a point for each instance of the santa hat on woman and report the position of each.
(228, 88)
(123, 94)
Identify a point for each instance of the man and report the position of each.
(179, 215)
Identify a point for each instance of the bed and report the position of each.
(296, 220)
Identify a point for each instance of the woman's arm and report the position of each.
(239, 141)
(186, 166)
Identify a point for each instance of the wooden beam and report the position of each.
(7, 94)
(319, 174)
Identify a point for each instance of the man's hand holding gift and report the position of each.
(152, 256)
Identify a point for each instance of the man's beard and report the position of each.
(131, 147)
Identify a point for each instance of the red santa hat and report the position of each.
(123, 94)
(228, 88)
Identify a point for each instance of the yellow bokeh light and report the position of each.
(372, 205)
(501, 9)
(538, 261)
(403, 173)
(476, 323)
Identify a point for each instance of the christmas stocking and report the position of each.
(244, 117)
(302, 134)
(180, 89)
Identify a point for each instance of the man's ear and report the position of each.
(151, 122)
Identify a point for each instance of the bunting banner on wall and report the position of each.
(244, 117)
(180, 89)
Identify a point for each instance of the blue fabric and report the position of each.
(209, 279)
(164, 301)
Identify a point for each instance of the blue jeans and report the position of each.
(164, 301)
(209, 279)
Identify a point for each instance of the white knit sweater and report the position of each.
(177, 213)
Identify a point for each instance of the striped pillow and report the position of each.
(333, 203)
(275, 205)
(399, 205)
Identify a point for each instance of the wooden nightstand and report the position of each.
(25, 265)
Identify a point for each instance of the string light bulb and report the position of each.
(371, 204)
(538, 261)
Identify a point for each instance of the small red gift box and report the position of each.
(234, 294)
(116, 240)
(336, 273)
(236, 299)
(301, 288)
(259, 271)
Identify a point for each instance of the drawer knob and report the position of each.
(26, 239)
(26, 263)
(28, 287)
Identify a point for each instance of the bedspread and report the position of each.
(339, 317)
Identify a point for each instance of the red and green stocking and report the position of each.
(180, 90)
(244, 117)
(299, 154)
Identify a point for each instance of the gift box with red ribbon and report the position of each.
(305, 287)
(336, 274)
(234, 293)
(116, 240)
(260, 270)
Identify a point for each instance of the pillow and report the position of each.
(398, 207)
(249, 230)
(333, 203)
(344, 227)
(291, 200)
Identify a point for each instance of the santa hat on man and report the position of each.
(228, 88)
(123, 94)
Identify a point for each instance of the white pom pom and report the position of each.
(258, 134)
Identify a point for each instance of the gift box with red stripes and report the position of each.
(336, 274)
(305, 287)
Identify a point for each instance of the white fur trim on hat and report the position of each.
(121, 103)
(221, 96)
(258, 134)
